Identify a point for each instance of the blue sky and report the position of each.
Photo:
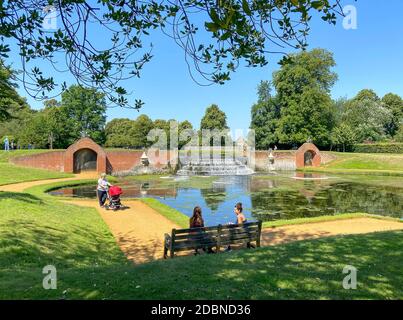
(369, 57)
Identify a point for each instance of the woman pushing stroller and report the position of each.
(102, 189)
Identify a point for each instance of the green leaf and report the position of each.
(211, 26)
(246, 8)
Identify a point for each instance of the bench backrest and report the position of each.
(221, 235)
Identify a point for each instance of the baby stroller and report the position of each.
(114, 198)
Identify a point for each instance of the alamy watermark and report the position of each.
(50, 20)
(350, 21)
(50, 280)
(350, 280)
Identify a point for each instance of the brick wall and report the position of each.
(262, 158)
(52, 160)
(121, 160)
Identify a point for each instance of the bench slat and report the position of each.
(196, 235)
(244, 225)
(213, 240)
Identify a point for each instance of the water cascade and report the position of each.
(214, 167)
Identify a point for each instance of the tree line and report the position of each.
(296, 106)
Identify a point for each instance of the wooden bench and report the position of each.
(212, 237)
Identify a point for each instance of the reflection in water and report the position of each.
(265, 197)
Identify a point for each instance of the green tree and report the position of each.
(10, 100)
(214, 118)
(367, 116)
(184, 125)
(15, 125)
(394, 103)
(367, 94)
(119, 133)
(265, 115)
(35, 131)
(141, 128)
(85, 110)
(399, 134)
(303, 91)
(343, 136)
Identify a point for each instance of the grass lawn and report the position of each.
(351, 163)
(10, 173)
(36, 232)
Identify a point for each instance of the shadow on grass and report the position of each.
(25, 243)
(24, 197)
(274, 236)
(302, 270)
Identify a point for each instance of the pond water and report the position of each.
(265, 197)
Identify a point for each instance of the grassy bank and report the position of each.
(10, 173)
(170, 213)
(363, 163)
(5, 156)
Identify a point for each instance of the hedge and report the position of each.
(379, 148)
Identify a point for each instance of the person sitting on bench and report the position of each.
(240, 219)
(196, 221)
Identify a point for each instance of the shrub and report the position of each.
(379, 148)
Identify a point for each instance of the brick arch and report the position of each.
(300, 155)
(85, 143)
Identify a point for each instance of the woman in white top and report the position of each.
(102, 189)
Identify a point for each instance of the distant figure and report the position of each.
(275, 148)
(196, 221)
(29, 146)
(6, 144)
(12, 147)
(102, 190)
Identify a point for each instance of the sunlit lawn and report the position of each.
(36, 231)
(363, 162)
(10, 173)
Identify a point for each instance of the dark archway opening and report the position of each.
(308, 158)
(85, 160)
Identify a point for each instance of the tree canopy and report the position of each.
(85, 111)
(216, 36)
(214, 118)
(301, 108)
(10, 100)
